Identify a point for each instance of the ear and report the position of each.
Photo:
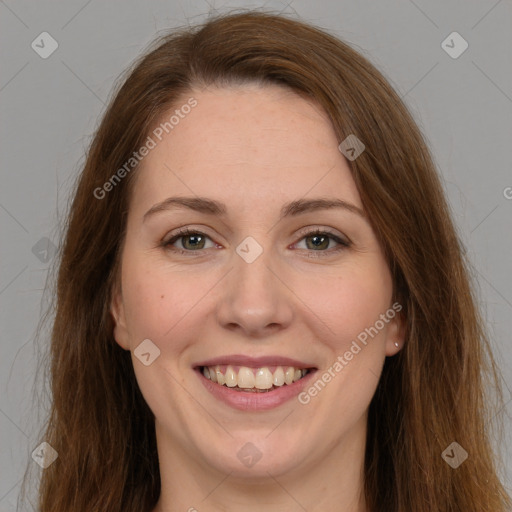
(118, 314)
(395, 334)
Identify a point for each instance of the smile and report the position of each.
(252, 384)
(243, 378)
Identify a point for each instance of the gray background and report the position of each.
(50, 108)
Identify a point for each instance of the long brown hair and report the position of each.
(434, 392)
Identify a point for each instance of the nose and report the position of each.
(255, 300)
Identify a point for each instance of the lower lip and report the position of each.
(254, 401)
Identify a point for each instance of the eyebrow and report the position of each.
(212, 207)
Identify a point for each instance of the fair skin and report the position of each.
(254, 149)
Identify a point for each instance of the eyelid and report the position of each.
(342, 240)
(309, 230)
(183, 232)
(306, 230)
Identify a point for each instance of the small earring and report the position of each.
(396, 344)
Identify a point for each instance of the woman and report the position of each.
(262, 299)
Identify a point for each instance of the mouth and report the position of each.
(254, 384)
(253, 380)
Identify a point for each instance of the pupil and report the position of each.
(194, 239)
(318, 237)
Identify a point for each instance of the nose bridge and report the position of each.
(254, 298)
(253, 281)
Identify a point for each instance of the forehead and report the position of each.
(245, 144)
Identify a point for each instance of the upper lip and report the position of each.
(255, 362)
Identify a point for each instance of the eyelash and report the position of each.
(316, 232)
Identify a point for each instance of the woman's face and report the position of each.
(252, 291)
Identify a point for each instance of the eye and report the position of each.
(320, 240)
(193, 241)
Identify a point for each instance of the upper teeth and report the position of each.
(247, 378)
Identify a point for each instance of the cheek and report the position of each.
(153, 305)
(160, 303)
(354, 303)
